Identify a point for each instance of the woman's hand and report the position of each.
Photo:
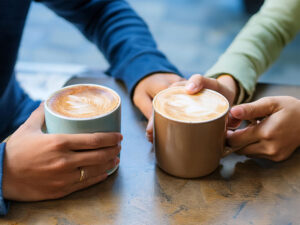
(275, 130)
(225, 85)
(40, 166)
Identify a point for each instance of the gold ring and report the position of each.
(82, 174)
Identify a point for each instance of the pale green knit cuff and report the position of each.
(240, 70)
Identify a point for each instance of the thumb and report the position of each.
(149, 130)
(197, 82)
(260, 108)
(36, 119)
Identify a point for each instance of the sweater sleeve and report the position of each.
(259, 44)
(4, 204)
(120, 34)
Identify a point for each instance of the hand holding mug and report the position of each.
(224, 84)
(275, 132)
(148, 87)
(39, 166)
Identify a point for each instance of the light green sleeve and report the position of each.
(259, 44)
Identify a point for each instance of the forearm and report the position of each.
(121, 35)
(259, 43)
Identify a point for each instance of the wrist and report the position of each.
(231, 84)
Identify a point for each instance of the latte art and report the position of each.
(204, 106)
(84, 101)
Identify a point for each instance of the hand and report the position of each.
(275, 133)
(148, 87)
(225, 85)
(40, 166)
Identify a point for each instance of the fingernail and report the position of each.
(229, 132)
(190, 86)
(117, 161)
(121, 138)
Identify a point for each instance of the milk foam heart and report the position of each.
(83, 101)
(177, 104)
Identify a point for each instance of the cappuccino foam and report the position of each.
(83, 101)
(175, 103)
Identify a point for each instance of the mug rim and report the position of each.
(190, 122)
(81, 119)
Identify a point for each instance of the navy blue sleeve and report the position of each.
(15, 107)
(121, 35)
(4, 204)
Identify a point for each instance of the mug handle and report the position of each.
(228, 150)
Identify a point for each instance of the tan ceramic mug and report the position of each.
(189, 131)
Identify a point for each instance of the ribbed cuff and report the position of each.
(243, 73)
(4, 204)
(241, 91)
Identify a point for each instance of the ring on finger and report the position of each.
(82, 174)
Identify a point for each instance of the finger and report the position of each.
(89, 141)
(149, 130)
(243, 137)
(198, 82)
(36, 119)
(256, 150)
(94, 157)
(260, 108)
(252, 150)
(88, 182)
(94, 171)
(233, 123)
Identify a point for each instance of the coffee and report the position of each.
(176, 104)
(83, 101)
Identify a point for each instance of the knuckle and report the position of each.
(102, 156)
(95, 140)
(57, 142)
(250, 109)
(267, 134)
(268, 101)
(197, 78)
(272, 151)
(61, 163)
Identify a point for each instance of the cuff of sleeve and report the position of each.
(4, 204)
(143, 65)
(243, 73)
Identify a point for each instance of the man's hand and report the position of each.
(148, 87)
(40, 166)
(274, 132)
